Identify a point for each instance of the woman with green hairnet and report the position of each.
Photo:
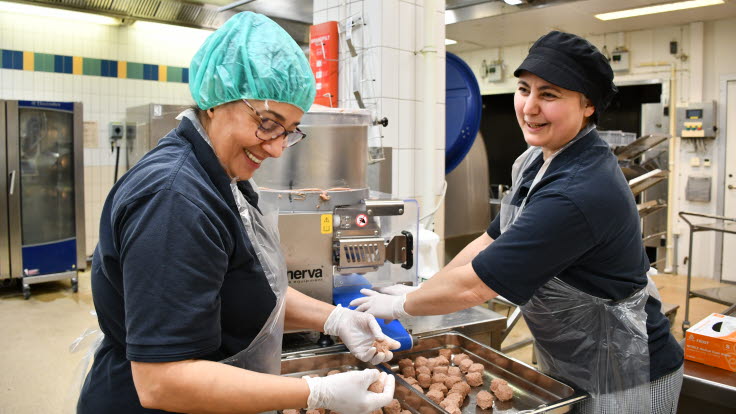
(188, 279)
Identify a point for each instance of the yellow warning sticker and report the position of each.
(326, 223)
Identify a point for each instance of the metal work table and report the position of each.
(708, 389)
(479, 323)
(723, 295)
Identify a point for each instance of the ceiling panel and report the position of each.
(576, 17)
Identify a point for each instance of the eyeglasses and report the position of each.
(269, 129)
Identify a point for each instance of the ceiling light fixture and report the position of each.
(38, 11)
(450, 42)
(658, 8)
(513, 2)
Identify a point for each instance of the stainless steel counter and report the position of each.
(479, 323)
(708, 389)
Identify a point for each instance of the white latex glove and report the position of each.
(347, 393)
(358, 331)
(383, 306)
(396, 290)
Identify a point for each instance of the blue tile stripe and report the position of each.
(62, 64)
(13, 59)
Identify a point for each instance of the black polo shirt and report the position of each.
(174, 275)
(580, 224)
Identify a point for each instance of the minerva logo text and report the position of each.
(305, 274)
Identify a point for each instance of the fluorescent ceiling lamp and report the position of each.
(513, 2)
(450, 42)
(56, 13)
(659, 8)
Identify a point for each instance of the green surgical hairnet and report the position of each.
(251, 57)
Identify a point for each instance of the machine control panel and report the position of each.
(697, 120)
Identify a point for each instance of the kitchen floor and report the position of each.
(39, 373)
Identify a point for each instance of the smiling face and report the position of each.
(232, 129)
(549, 116)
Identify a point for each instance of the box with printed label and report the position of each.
(712, 341)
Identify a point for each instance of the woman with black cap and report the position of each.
(566, 246)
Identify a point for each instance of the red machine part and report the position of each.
(323, 59)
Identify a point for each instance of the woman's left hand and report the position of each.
(358, 331)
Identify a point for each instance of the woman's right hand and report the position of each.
(347, 393)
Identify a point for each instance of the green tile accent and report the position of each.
(173, 74)
(135, 70)
(43, 62)
(91, 66)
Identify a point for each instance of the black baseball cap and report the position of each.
(571, 62)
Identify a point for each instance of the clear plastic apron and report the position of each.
(264, 353)
(596, 344)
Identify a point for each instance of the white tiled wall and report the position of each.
(391, 67)
(104, 99)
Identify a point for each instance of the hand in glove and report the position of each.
(358, 331)
(347, 393)
(381, 305)
(396, 290)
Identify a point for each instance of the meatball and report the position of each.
(447, 353)
(484, 400)
(504, 392)
(475, 379)
(476, 368)
(406, 362)
(393, 407)
(381, 345)
(440, 387)
(423, 369)
(458, 399)
(454, 371)
(409, 372)
(420, 361)
(439, 378)
(376, 387)
(435, 395)
(451, 380)
(440, 370)
(465, 365)
(441, 361)
(461, 388)
(424, 380)
(411, 380)
(458, 358)
(496, 382)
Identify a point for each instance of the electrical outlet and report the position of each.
(695, 162)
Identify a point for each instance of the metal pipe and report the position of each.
(670, 256)
(429, 52)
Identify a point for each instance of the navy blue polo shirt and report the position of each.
(174, 275)
(580, 224)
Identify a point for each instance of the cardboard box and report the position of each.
(712, 341)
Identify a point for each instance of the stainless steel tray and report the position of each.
(298, 365)
(534, 392)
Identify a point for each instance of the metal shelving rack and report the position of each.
(723, 295)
